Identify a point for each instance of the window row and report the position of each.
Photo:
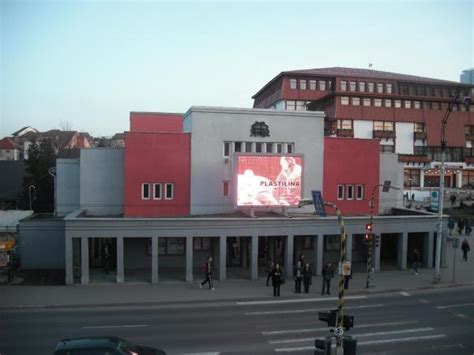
(377, 102)
(386, 126)
(257, 147)
(347, 192)
(155, 190)
(311, 84)
(362, 86)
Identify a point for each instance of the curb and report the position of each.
(218, 301)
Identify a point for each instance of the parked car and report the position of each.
(102, 345)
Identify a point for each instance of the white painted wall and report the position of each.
(363, 129)
(405, 134)
(390, 169)
(212, 126)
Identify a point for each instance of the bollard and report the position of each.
(323, 346)
(350, 346)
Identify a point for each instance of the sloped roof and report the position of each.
(16, 133)
(361, 73)
(8, 143)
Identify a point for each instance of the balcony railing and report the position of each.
(384, 134)
(469, 160)
(408, 158)
(420, 135)
(469, 137)
(345, 132)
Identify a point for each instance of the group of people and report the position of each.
(464, 226)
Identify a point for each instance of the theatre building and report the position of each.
(225, 182)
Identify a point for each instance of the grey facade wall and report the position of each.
(102, 181)
(211, 127)
(42, 244)
(67, 186)
(390, 169)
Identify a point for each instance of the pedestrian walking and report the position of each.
(277, 280)
(346, 280)
(450, 226)
(302, 260)
(452, 198)
(208, 268)
(298, 275)
(307, 277)
(270, 266)
(467, 227)
(460, 225)
(465, 249)
(328, 274)
(416, 261)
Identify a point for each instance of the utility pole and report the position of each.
(29, 193)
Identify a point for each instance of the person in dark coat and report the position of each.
(307, 277)
(107, 256)
(465, 248)
(277, 277)
(460, 225)
(328, 274)
(270, 266)
(298, 275)
(346, 280)
(208, 268)
(416, 261)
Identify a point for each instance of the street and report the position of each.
(438, 321)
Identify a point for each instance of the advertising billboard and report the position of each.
(269, 180)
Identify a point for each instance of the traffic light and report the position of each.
(368, 227)
(366, 238)
(331, 319)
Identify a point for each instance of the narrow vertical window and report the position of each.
(225, 189)
(145, 191)
(352, 85)
(362, 86)
(312, 84)
(303, 84)
(269, 147)
(157, 191)
(340, 192)
(248, 147)
(343, 85)
(360, 192)
(371, 87)
(169, 191)
(237, 147)
(258, 147)
(292, 83)
(226, 149)
(322, 85)
(279, 148)
(350, 192)
(289, 148)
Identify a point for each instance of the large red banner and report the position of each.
(268, 180)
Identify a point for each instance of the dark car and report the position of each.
(102, 345)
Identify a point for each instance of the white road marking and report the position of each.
(455, 305)
(398, 340)
(115, 326)
(252, 303)
(310, 330)
(461, 315)
(447, 346)
(423, 301)
(416, 330)
(260, 313)
(405, 294)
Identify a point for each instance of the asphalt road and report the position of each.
(427, 322)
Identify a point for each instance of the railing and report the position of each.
(384, 134)
(420, 135)
(406, 158)
(345, 132)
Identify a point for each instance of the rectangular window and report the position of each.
(416, 104)
(356, 101)
(302, 84)
(419, 127)
(407, 103)
(344, 100)
(279, 148)
(145, 191)
(258, 147)
(352, 85)
(226, 149)
(269, 147)
(225, 189)
(387, 148)
(387, 103)
(360, 192)
(366, 102)
(398, 103)
(344, 124)
(300, 105)
(291, 105)
(427, 105)
(293, 84)
(340, 192)
(371, 87)
(169, 191)
(379, 87)
(388, 87)
(350, 192)
(378, 102)
(248, 147)
(289, 148)
(157, 191)
(362, 86)
(237, 147)
(171, 246)
(312, 84)
(411, 178)
(383, 126)
(322, 85)
(343, 85)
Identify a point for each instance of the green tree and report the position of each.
(41, 158)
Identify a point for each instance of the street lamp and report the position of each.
(29, 193)
(466, 102)
(52, 172)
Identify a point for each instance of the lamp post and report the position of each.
(387, 185)
(466, 102)
(29, 193)
(52, 172)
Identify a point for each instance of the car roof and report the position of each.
(87, 342)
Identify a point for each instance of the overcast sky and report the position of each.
(89, 63)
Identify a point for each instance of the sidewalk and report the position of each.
(167, 292)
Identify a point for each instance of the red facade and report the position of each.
(351, 162)
(156, 122)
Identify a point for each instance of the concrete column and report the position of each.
(289, 245)
(189, 259)
(444, 243)
(271, 248)
(154, 260)
(349, 247)
(222, 258)
(428, 243)
(69, 261)
(459, 180)
(84, 260)
(254, 258)
(377, 255)
(402, 249)
(318, 254)
(120, 266)
(422, 179)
